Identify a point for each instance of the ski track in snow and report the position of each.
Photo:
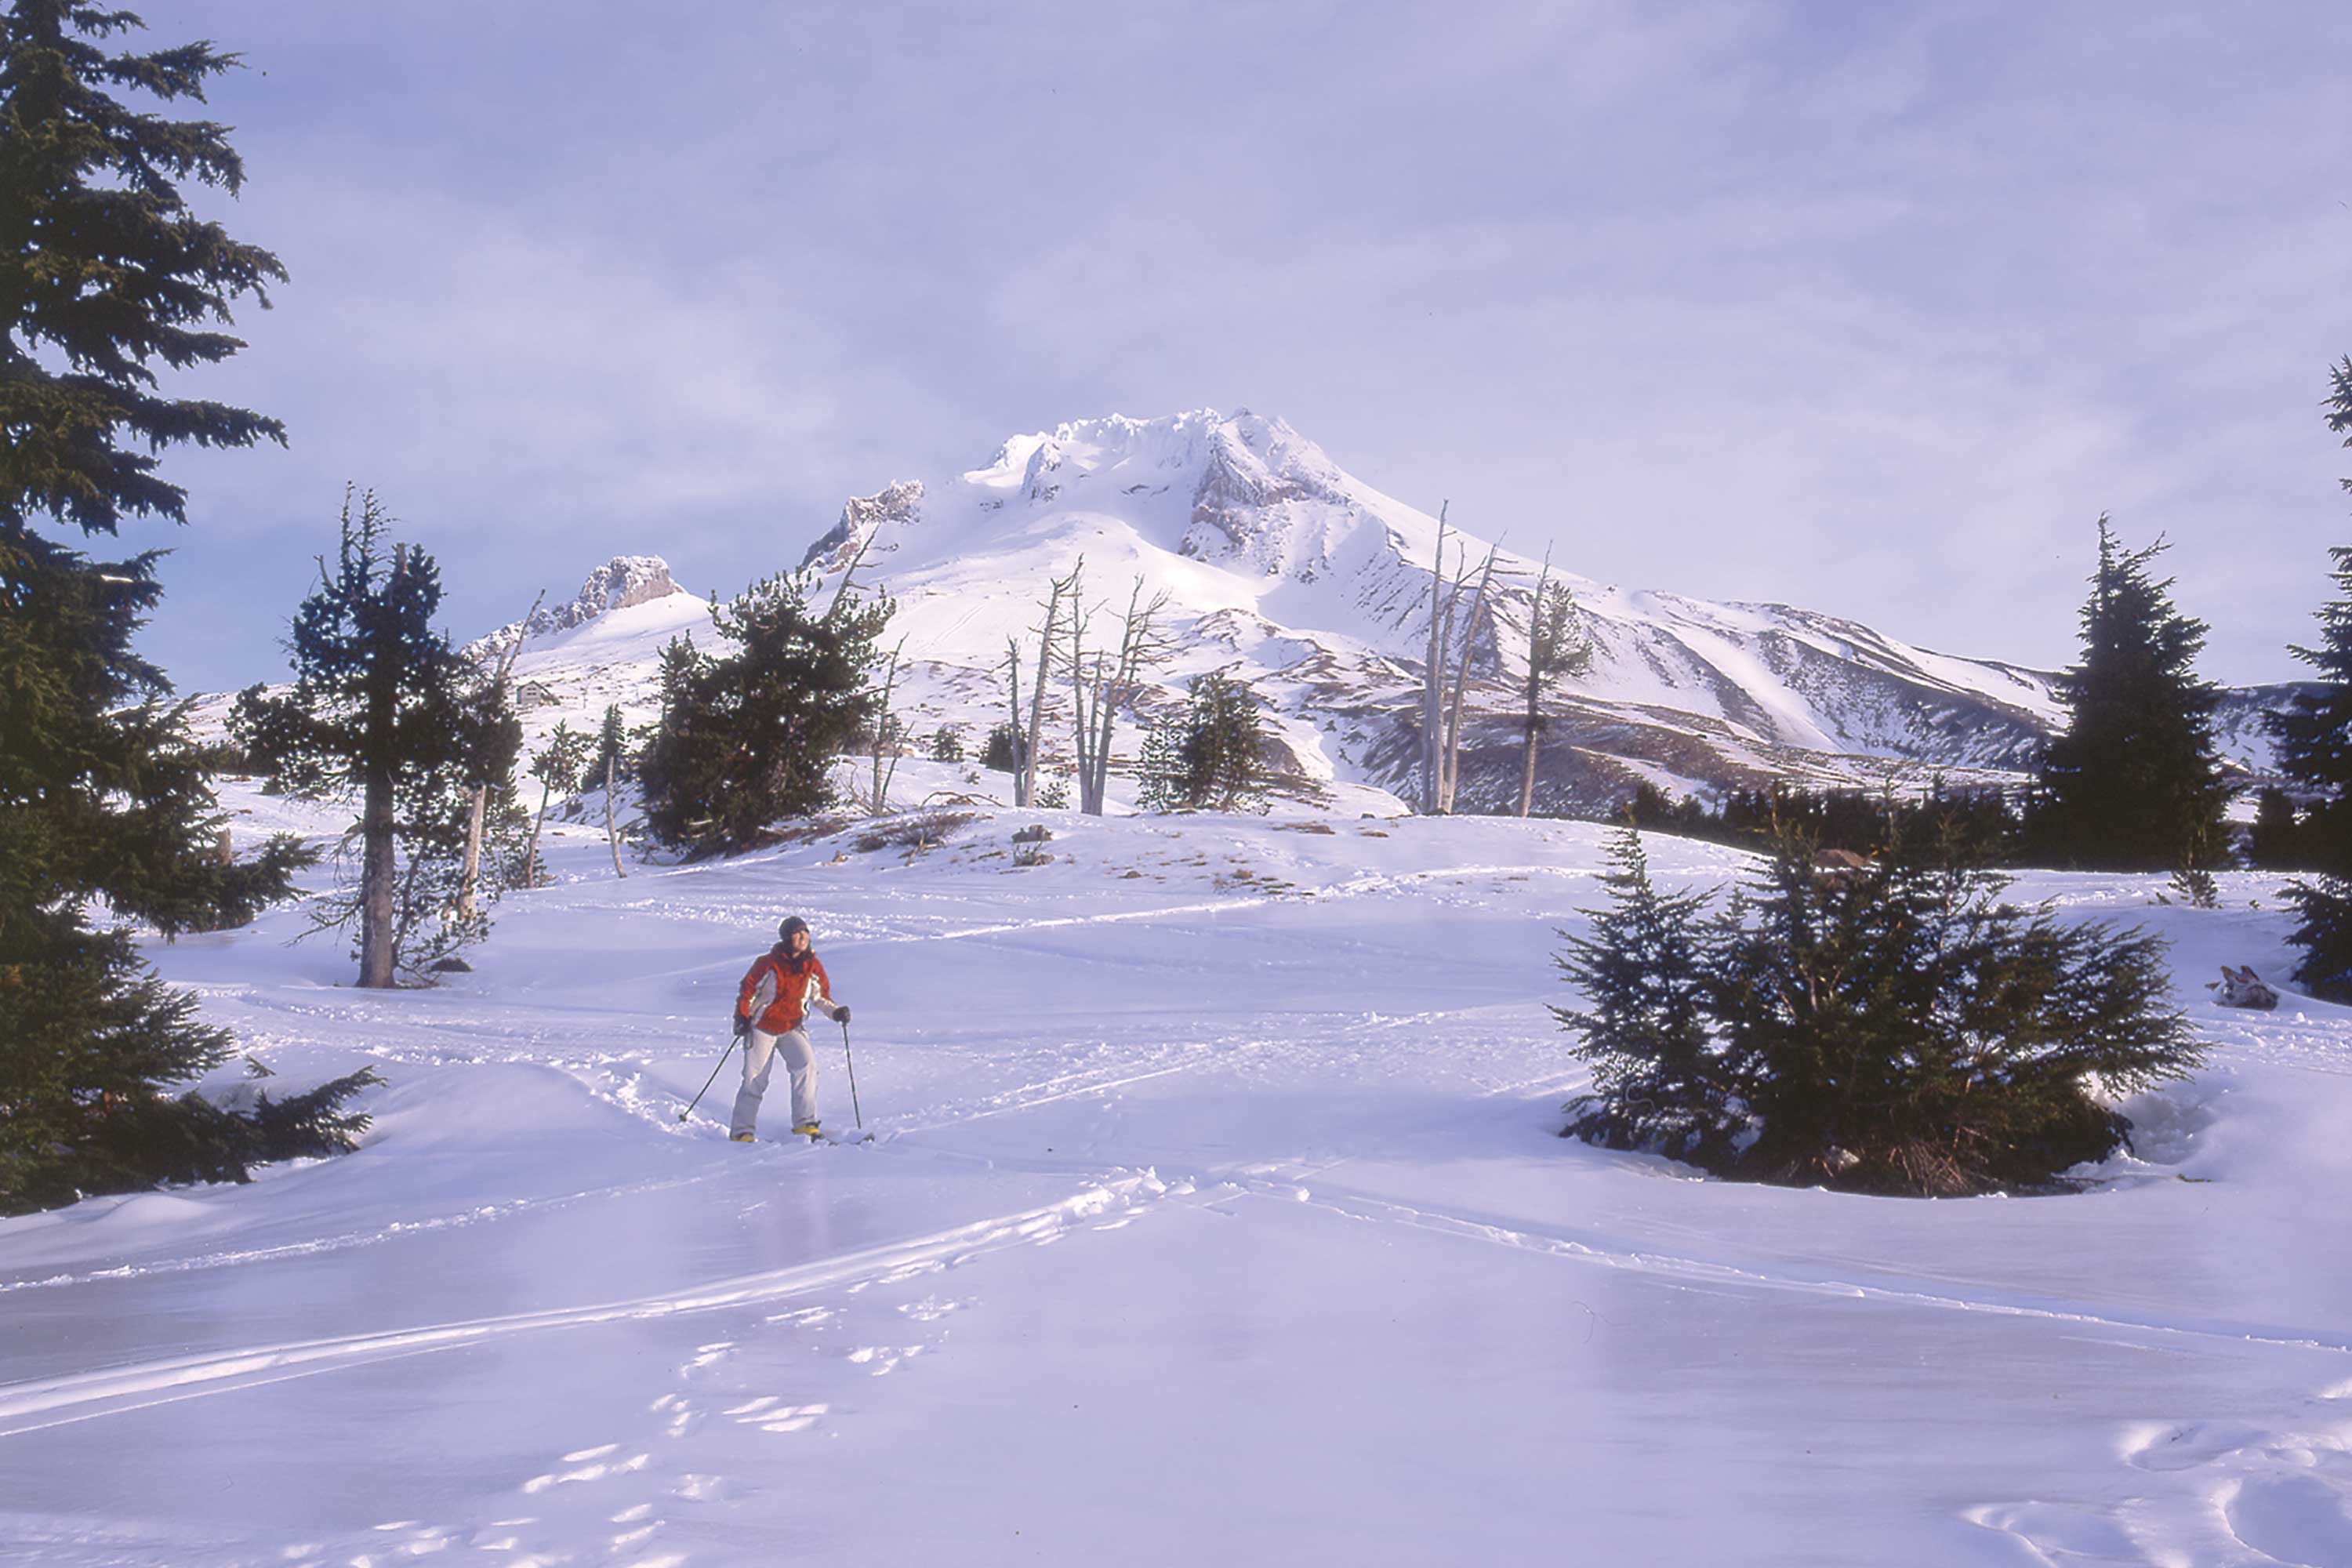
(40, 1404)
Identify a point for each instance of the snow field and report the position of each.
(1216, 1208)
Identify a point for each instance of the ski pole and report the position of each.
(853, 1075)
(709, 1081)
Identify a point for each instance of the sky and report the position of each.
(1869, 308)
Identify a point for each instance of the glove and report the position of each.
(742, 1025)
(841, 1014)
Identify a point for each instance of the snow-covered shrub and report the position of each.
(915, 830)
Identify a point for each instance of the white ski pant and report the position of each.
(760, 1050)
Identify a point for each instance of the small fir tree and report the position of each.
(383, 713)
(749, 738)
(1658, 1077)
(1210, 756)
(2197, 888)
(2314, 749)
(2135, 784)
(1004, 752)
(1903, 1029)
(947, 743)
(106, 279)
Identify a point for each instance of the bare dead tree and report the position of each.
(880, 798)
(470, 878)
(1450, 764)
(1555, 647)
(841, 589)
(1061, 591)
(1443, 606)
(611, 839)
(1110, 683)
(1012, 673)
(1430, 666)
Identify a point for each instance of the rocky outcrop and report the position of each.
(860, 516)
(621, 582)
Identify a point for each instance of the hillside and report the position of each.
(1279, 566)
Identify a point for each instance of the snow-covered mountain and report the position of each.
(1280, 566)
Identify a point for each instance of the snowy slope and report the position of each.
(1219, 1217)
(1278, 565)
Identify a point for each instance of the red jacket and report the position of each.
(780, 990)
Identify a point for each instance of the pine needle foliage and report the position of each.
(1658, 1081)
(383, 713)
(748, 738)
(1004, 752)
(106, 279)
(1209, 756)
(2135, 784)
(1897, 1029)
(105, 275)
(2314, 749)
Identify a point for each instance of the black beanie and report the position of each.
(792, 924)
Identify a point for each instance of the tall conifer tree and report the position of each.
(385, 712)
(2134, 784)
(108, 278)
(2314, 748)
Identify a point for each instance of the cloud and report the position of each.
(1873, 308)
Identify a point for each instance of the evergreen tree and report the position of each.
(1896, 1029)
(749, 738)
(1004, 752)
(609, 764)
(2315, 749)
(1210, 756)
(557, 766)
(1658, 1077)
(2134, 784)
(2275, 843)
(107, 279)
(384, 712)
(1555, 647)
(947, 743)
(1902, 1029)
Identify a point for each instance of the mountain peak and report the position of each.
(620, 584)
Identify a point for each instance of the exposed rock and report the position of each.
(620, 584)
(860, 516)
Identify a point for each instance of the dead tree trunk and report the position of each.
(881, 793)
(1450, 764)
(1140, 644)
(466, 878)
(1429, 688)
(1535, 689)
(611, 839)
(1020, 776)
(1061, 588)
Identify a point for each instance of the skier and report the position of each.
(782, 986)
